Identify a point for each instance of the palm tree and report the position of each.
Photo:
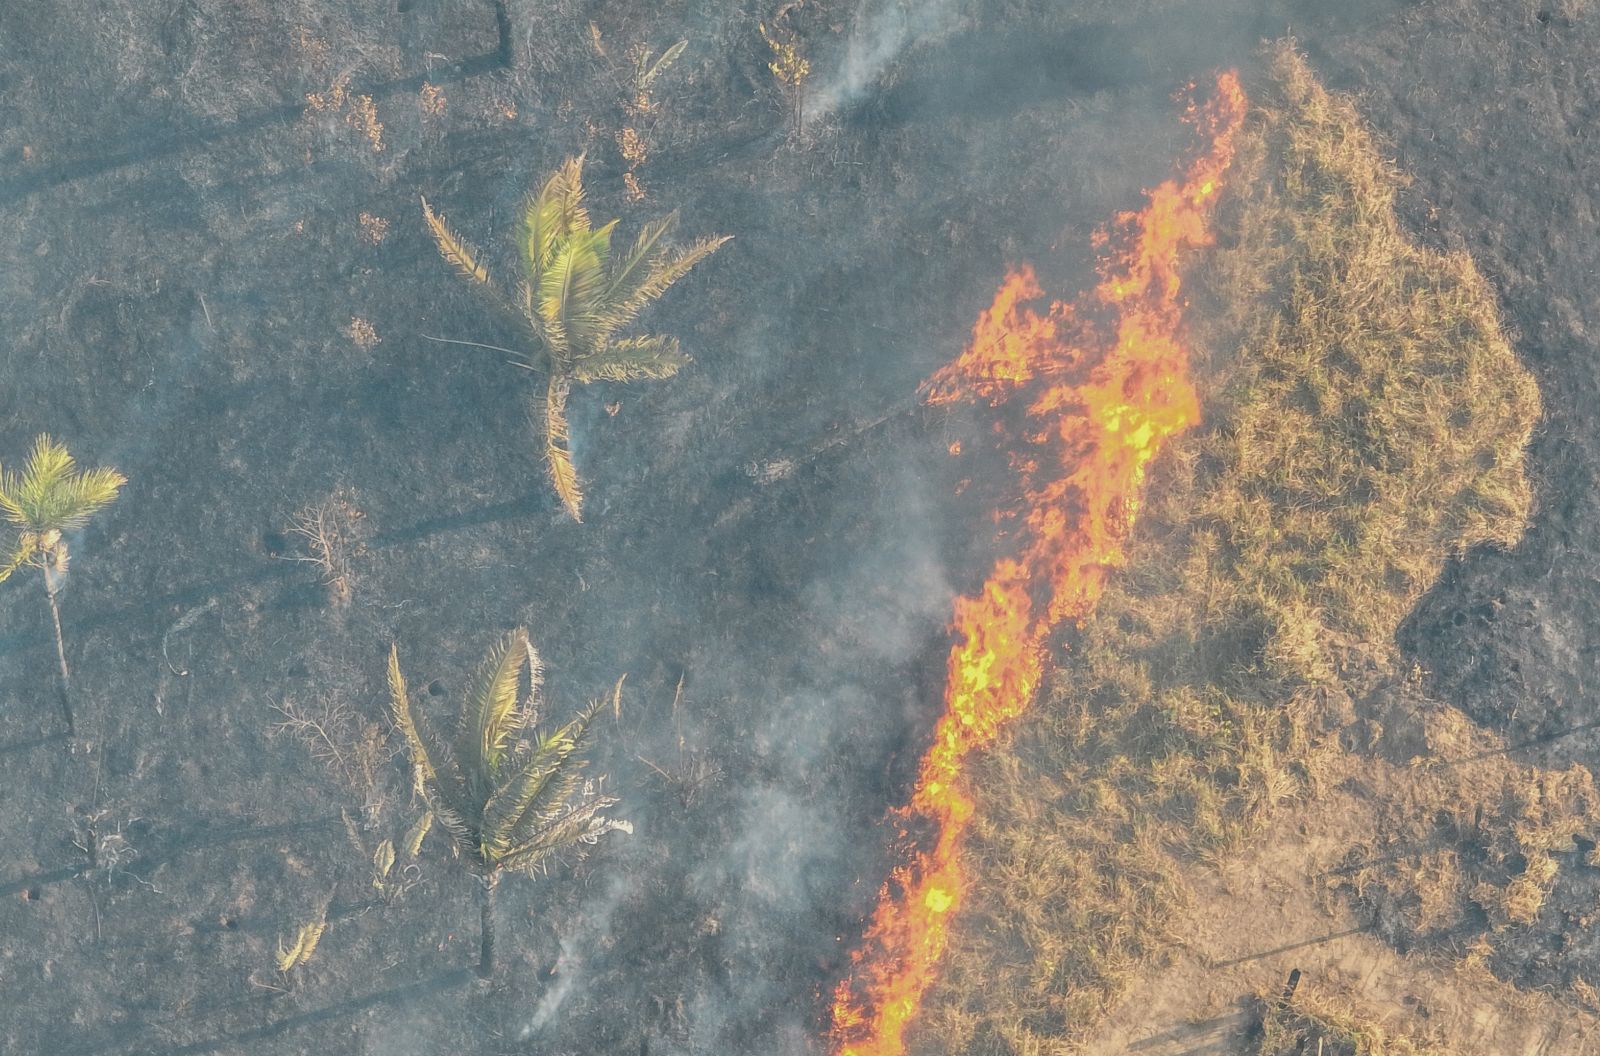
(49, 498)
(575, 297)
(508, 795)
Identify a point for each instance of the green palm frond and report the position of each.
(629, 271)
(503, 814)
(27, 546)
(50, 495)
(453, 248)
(660, 276)
(488, 719)
(558, 446)
(428, 758)
(569, 292)
(577, 293)
(587, 312)
(652, 356)
(552, 215)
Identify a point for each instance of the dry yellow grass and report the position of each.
(1365, 419)
(1314, 1023)
(1468, 853)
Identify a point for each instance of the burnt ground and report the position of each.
(182, 257)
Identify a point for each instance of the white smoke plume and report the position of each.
(884, 30)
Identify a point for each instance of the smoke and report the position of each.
(884, 29)
(570, 970)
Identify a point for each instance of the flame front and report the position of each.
(1106, 385)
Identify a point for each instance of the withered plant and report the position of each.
(355, 750)
(49, 498)
(575, 299)
(694, 772)
(333, 534)
(640, 107)
(508, 795)
(789, 67)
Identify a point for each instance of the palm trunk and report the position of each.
(486, 940)
(61, 652)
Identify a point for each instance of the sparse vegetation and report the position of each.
(1313, 1024)
(576, 297)
(355, 750)
(635, 139)
(1366, 418)
(47, 499)
(1467, 857)
(508, 795)
(790, 69)
(393, 867)
(333, 533)
(362, 333)
(356, 110)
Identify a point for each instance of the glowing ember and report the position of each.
(1088, 444)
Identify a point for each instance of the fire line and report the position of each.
(1106, 383)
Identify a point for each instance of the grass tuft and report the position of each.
(1316, 1024)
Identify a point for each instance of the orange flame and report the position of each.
(1108, 384)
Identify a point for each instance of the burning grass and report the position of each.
(1365, 418)
(1103, 392)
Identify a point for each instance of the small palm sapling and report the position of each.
(509, 795)
(49, 498)
(575, 298)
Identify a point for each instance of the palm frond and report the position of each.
(49, 463)
(645, 71)
(629, 271)
(550, 302)
(652, 356)
(27, 546)
(453, 248)
(424, 770)
(583, 823)
(459, 828)
(487, 717)
(551, 216)
(661, 273)
(8, 499)
(506, 808)
(557, 446)
(551, 800)
(527, 716)
(50, 495)
(586, 312)
(411, 842)
(569, 289)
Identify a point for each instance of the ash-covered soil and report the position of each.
(184, 260)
